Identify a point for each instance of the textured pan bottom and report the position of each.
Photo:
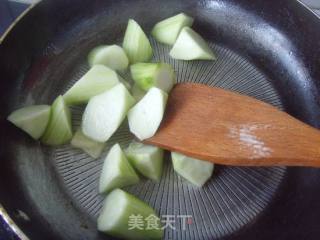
(231, 199)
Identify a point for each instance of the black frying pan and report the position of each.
(267, 49)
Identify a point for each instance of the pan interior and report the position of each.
(233, 197)
(61, 184)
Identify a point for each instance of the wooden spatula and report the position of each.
(228, 128)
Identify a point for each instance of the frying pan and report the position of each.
(266, 49)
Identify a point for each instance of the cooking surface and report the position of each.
(236, 201)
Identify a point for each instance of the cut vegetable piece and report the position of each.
(136, 44)
(116, 171)
(125, 83)
(146, 159)
(32, 119)
(137, 92)
(118, 215)
(105, 112)
(97, 80)
(145, 117)
(147, 75)
(59, 129)
(111, 56)
(93, 148)
(168, 30)
(191, 46)
(195, 171)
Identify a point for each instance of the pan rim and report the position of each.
(304, 5)
(3, 213)
(12, 225)
(33, 5)
(16, 21)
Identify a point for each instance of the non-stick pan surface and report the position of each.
(266, 49)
